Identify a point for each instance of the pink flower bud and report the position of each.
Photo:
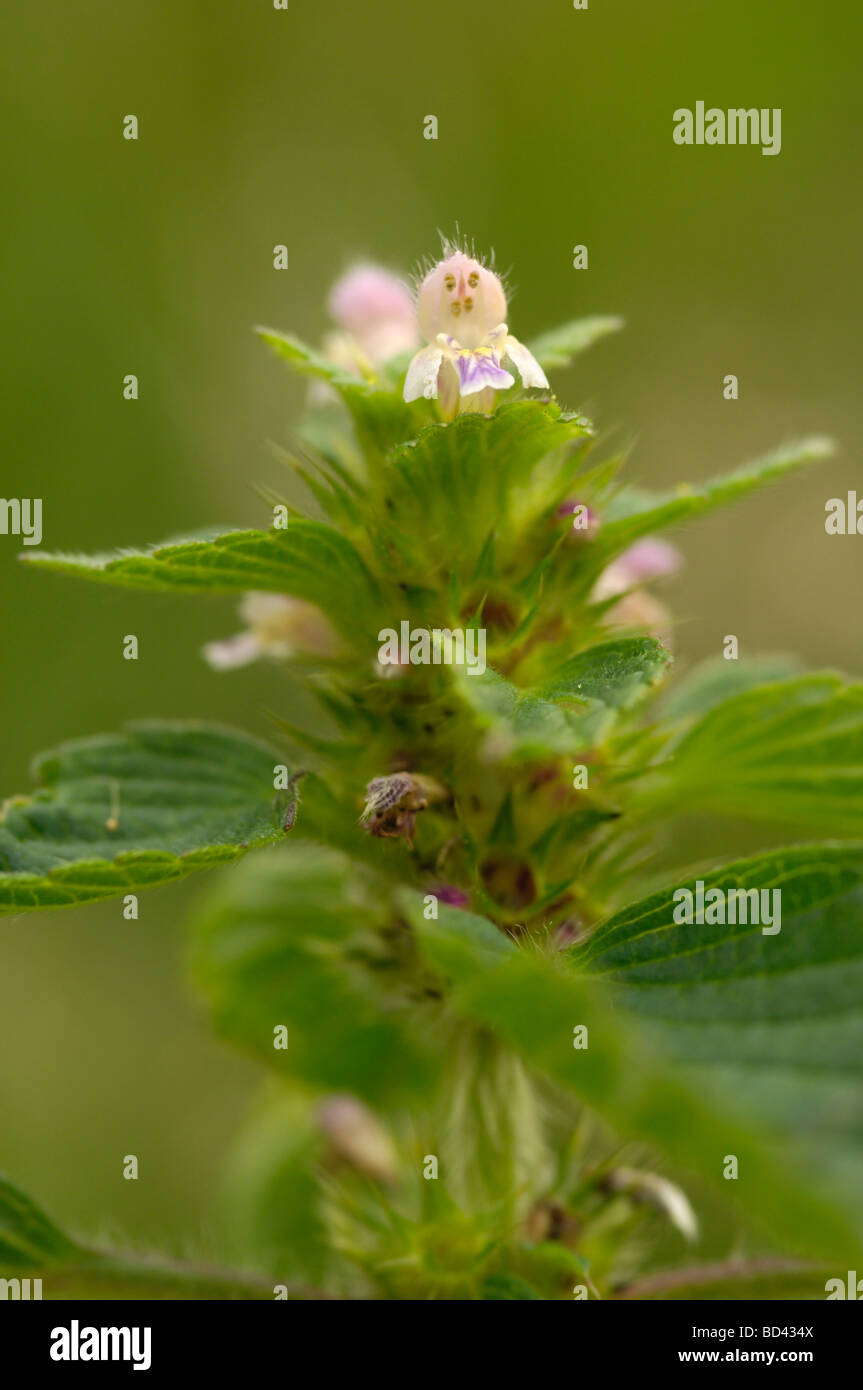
(585, 523)
(645, 560)
(650, 559)
(451, 896)
(376, 309)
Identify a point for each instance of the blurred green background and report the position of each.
(259, 127)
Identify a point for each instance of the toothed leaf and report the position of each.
(120, 812)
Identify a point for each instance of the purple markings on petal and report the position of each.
(479, 369)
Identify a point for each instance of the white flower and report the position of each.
(461, 311)
(277, 626)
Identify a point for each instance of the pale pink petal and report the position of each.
(650, 559)
(529, 369)
(421, 379)
(460, 296)
(261, 609)
(233, 652)
(645, 560)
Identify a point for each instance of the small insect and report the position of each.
(287, 802)
(392, 803)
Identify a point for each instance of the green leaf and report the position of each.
(791, 752)
(308, 560)
(715, 680)
(306, 360)
(298, 943)
(533, 1002)
(573, 709)
(559, 346)
(29, 1240)
(271, 1187)
(731, 994)
(32, 1245)
(456, 942)
(776, 1019)
(518, 725)
(381, 417)
(822, 1110)
(636, 513)
(616, 674)
(120, 812)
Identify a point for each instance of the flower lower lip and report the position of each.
(477, 370)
